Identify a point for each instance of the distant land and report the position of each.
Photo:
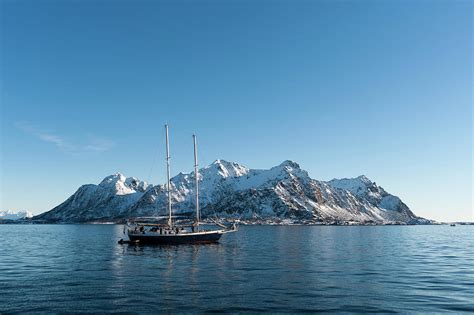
(12, 215)
(284, 194)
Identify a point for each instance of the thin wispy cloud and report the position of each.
(94, 144)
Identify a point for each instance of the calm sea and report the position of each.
(81, 268)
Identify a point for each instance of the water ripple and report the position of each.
(81, 268)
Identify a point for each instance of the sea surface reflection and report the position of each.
(59, 268)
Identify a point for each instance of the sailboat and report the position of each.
(171, 233)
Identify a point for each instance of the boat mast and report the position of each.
(170, 224)
(196, 176)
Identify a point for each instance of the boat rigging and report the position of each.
(146, 232)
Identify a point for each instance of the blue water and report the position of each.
(81, 268)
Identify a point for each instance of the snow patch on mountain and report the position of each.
(225, 169)
(122, 185)
(356, 186)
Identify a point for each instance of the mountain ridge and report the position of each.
(228, 190)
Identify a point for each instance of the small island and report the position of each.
(282, 195)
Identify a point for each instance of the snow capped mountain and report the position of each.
(111, 198)
(11, 215)
(229, 190)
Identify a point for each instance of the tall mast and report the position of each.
(196, 175)
(168, 176)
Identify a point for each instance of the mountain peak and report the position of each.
(289, 167)
(364, 179)
(289, 163)
(359, 185)
(122, 185)
(220, 161)
(227, 169)
(112, 179)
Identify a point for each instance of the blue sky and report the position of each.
(381, 88)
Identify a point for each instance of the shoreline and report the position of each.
(248, 223)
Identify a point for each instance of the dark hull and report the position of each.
(211, 237)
